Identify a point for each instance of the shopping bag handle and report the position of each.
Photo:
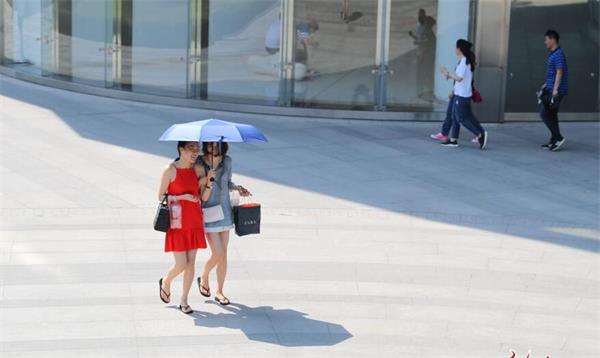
(247, 200)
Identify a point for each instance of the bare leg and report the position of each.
(178, 267)
(345, 9)
(216, 253)
(188, 275)
(222, 265)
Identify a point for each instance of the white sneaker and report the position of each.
(556, 147)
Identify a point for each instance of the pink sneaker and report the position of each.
(475, 140)
(439, 136)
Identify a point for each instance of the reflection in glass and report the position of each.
(243, 57)
(23, 35)
(335, 53)
(423, 35)
(159, 47)
(91, 24)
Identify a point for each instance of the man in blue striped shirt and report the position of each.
(554, 89)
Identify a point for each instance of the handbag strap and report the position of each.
(166, 195)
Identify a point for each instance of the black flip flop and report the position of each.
(223, 302)
(200, 287)
(186, 309)
(161, 291)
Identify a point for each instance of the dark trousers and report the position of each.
(549, 114)
(271, 51)
(447, 125)
(463, 115)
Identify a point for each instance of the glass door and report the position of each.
(49, 37)
(92, 45)
(23, 35)
(423, 35)
(242, 50)
(335, 53)
(77, 42)
(159, 47)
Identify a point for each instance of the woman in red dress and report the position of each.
(180, 182)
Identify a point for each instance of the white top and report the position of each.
(273, 35)
(464, 88)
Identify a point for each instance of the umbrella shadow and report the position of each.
(283, 327)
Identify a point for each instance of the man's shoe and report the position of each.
(557, 146)
(547, 145)
(483, 140)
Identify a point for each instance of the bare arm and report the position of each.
(167, 176)
(204, 184)
(452, 76)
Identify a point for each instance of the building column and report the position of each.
(491, 49)
(452, 24)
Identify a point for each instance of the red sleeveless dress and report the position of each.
(191, 234)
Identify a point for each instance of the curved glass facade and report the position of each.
(363, 55)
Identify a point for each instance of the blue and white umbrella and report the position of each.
(213, 130)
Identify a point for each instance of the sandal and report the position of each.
(161, 291)
(207, 290)
(186, 309)
(222, 301)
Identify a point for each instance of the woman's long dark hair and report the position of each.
(224, 146)
(466, 48)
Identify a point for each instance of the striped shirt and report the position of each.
(557, 61)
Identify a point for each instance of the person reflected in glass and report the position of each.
(425, 40)
(346, 15)
(305, 40)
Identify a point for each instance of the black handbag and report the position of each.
(162, 218)
(246, 218)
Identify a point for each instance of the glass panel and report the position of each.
(423, 35)
(49, 37)
(577, 23)
(91, 29)
(160, 47)
(335, 53)
(23, 35)
(240, 68)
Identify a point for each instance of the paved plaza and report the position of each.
(376, 241)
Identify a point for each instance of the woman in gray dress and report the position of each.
(218, 213)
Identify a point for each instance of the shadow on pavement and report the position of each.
(283, 327)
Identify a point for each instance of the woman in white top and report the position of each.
(463, 91)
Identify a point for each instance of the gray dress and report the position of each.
(219, 195)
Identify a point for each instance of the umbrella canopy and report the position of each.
(213, 130)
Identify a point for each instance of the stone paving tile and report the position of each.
(375, 240)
